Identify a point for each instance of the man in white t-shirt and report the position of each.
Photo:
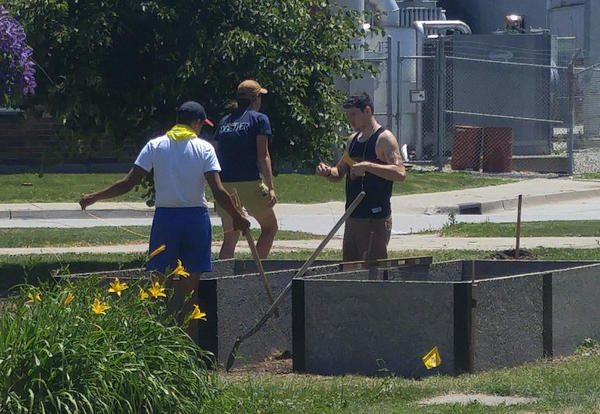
(181, 162)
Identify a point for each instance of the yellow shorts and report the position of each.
(252, 195)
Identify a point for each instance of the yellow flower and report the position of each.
(197, 314)
(143, 294)
(157, 290)
(33, 297)
(68, 299)
(160, 248)
(117, 287)
(179, 270)
(99, 307)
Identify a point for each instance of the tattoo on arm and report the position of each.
(393, 156)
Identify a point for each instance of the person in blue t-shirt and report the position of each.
(242, 140)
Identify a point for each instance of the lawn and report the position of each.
(568, 385)
(98, 236)
(291, 188)
(576, 228)
(31, 268)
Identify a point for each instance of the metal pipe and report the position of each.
(389, 101)
(420, 27)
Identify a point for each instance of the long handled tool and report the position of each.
(299, 274)
(259, 266)
(235, 198)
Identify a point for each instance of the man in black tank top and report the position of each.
(371, 163)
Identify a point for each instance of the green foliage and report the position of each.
(118, 68)
(60, 356)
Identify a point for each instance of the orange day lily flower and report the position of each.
(117, 287)
(197, 314)
(68, 299)
(158, 250)
(99, 308)
(157, 290)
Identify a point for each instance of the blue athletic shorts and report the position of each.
(186, 232)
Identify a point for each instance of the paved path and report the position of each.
(544, 199)
(397, 243)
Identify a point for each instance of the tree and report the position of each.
(16, 66)
(118, 68)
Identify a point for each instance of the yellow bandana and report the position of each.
(181, 132)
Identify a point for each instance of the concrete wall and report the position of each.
(575, 308)
(492, 268)
(371, 327)
(508, 321)
(234, 304)
(516, 312)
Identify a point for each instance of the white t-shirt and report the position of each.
(179, 168)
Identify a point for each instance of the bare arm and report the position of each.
(222, 197)
(124, 185)
(335, 173)
(387, 151)
(264, 163)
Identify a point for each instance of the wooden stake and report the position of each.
(518, 236)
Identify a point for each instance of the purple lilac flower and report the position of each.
(16, 65)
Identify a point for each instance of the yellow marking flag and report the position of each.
(432, 359)
(348, 160)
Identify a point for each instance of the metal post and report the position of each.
(399, 95)
(390, 89)
(441, 127)
(571, 142)
(436, 105)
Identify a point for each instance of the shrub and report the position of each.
(75, 347)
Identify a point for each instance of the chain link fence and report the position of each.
(499, 109)
(586, 119)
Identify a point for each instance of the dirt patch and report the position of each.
(510, 255)
(481, 399)
(276, 364)
(271, 367)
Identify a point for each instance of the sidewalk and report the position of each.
(397, 243)
(430, 210)
(493, 198)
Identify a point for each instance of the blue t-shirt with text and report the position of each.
(236, 135)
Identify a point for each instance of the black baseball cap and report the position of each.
(191, 111)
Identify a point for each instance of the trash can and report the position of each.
(466, 147)
(497, 149)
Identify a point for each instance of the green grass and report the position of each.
(588, 176)
(579, 228)
(57, 355)
(291, 188)
(565, 386)
(97, 236)
(568, 385)
(34, 268)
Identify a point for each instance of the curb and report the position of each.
(511, 204)
(78, 214)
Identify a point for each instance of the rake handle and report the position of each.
(299, 274)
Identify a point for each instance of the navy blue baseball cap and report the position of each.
(191, 111)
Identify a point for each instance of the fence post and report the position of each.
(572, 89)
(440, 102)
(441, 127)
(390, 87)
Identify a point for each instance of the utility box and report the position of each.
(466, 147)
(497, 149)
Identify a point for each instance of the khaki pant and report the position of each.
(366, 238)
